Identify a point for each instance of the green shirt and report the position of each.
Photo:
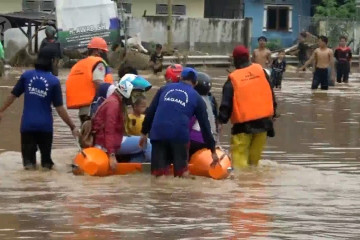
(1, 51)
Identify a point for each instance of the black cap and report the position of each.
(46, 55)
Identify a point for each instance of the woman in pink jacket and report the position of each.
(108, 123)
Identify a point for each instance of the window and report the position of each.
(162, 9)
(127, 8)
(278, 18)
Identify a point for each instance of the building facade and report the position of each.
(228, 9)
(278, 20)
(181, 8)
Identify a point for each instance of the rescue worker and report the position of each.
(249, 101)
(173, 73)
(86, 76)
(167, 120)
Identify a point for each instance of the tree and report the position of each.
(336, 9)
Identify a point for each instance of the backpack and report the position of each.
(86, 138)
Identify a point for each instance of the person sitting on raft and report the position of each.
(109, 121)
(136, 118)
(106, 89)
(203, 87)
(167, 120)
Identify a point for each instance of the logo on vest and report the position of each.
(38, 86)
(177, 96)
(249, 76)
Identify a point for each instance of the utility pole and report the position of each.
(123, 21)
(169, 26)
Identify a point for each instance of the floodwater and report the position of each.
(307, 186)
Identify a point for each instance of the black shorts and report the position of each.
(165, 153)
(30, 142)
(321, 77)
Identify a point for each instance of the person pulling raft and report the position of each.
(167, 120)
(248, 100)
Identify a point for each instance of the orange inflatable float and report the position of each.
(95, 162)
(200, 161)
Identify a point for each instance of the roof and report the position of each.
(22, 17)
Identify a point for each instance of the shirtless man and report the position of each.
(324, 59)
(262, 55)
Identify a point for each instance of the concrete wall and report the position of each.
(7, 6)
(213, 36)
(194, 8)
(255, 9)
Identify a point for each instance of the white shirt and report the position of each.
(99, 72)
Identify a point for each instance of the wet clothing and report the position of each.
(167, 120)
(248, 138)
(342, 72)
(343, 57)
(163, 151)
(321, 77)
(278, 68)
(246, 149)
(108, 124)
(30, 142)
(41, 89)
(135, 124)
(171, 109)
(250, 127)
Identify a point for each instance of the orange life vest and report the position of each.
(80, 89)
(252, 94)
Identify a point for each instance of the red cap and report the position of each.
(240, 51)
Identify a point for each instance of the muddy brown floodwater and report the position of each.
(307, 186)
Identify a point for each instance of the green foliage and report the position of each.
(336, 9)
(274, 44)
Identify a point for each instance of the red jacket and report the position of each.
(108, 124)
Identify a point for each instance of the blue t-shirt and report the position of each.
(170, 112)
(41, 89)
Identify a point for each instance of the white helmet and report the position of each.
(131, 82)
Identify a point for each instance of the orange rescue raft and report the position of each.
(96, 163)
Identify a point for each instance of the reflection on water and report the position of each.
(307, 188)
